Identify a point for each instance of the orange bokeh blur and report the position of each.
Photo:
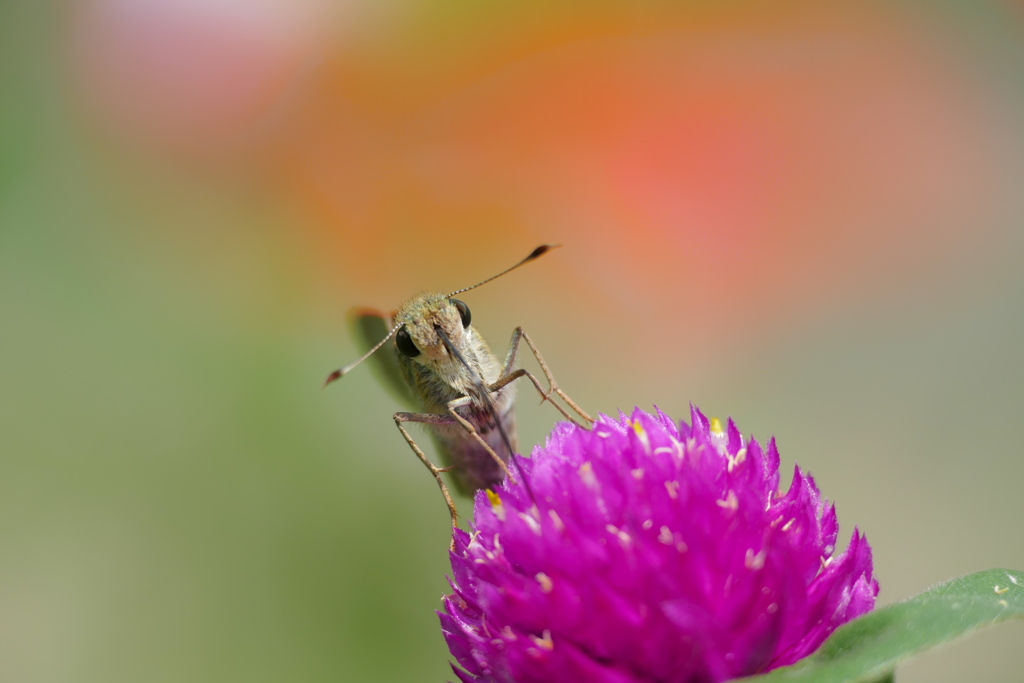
(737, 166)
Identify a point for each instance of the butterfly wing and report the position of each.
(370, 326)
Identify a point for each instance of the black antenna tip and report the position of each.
(333, 377)
(540, 251)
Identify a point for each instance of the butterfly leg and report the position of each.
(429, 418)
(508, 374)
(510, 377)
(471, 430)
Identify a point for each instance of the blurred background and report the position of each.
(804, 215)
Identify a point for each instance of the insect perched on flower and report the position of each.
(439, 364)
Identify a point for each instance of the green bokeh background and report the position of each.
(179, 501)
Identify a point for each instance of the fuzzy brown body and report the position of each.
(438, 378)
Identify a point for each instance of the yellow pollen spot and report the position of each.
(730, 502)
(673, 489)
(1003, 603)
(544, 642)
(496, 504)
(754, 561)
(1001, 589)
(716, 427)
(546, 584)
(736, 460)
(642, 435)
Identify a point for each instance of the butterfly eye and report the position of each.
(463, 312)
(404, 343)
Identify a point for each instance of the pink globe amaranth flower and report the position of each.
(649, 552)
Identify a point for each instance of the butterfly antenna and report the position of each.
(341, 372)
(535, 254)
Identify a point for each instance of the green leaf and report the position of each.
(868, 649)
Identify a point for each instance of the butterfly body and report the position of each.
(438, 378)
(437, 363)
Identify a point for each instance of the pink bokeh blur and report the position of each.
(190, 75)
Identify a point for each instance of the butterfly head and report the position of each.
(419, 320)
